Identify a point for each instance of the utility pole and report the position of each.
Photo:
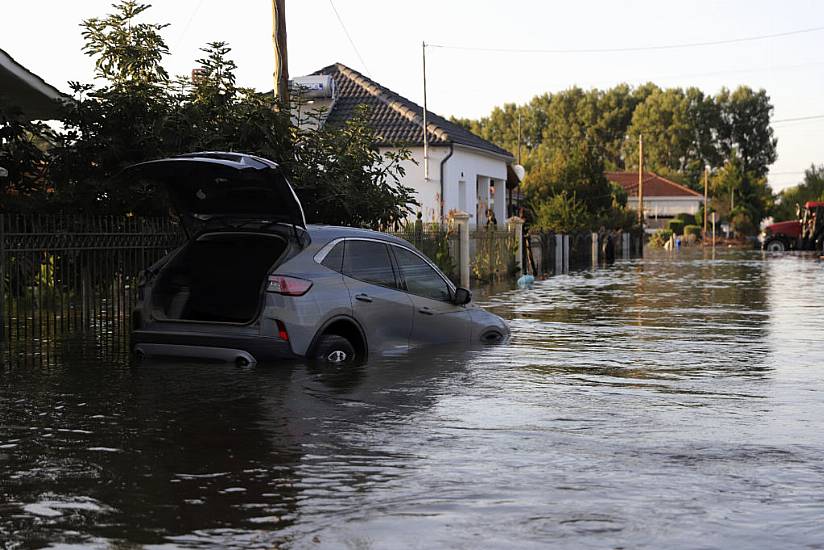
(281, 74)
(641, 180)
(425, 136)
(519, 136)
(706, 204)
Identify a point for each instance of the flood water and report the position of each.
(674, 401)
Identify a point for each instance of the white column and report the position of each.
(516, 225)
(462, 221)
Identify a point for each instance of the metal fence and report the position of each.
(549, 253)
(440, 243)
(493, 254)
(64, 275)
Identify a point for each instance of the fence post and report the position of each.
(594, 249)
(516, 225)
(462, 221)
(559, 254)
(626, 240)
(2, 277)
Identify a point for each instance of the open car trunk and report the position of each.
(217, 278)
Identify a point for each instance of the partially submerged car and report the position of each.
(254, 282)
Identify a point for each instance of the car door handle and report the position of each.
(363, 298)
(426, 311)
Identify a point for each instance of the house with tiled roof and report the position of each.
(663, 198)
(462, 172)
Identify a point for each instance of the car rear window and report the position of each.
(334, 258)
(368, 261)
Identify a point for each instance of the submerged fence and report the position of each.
(63, 275)
(550, 253)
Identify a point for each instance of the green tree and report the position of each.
(562, 213)
(741, 198)
(744, 128)
(578, 171)
(811, 189)
(136, 113)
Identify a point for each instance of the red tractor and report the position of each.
(805, 233)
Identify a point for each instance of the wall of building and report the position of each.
(667, 206)
(469, 175)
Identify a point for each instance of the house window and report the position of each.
(462, 196)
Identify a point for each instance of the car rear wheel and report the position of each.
(334, 349)
(775, 245)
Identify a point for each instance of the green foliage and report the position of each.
(693, 230)
(562, 213)
(126, 51)
(577, 171)
(23, 154)
(811, 189)
(740, 197)
(660, 238)
(676, 226)
(686, 217)
(136, 113)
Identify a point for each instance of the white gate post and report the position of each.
(462, 221)
(626, 240)
(559, 254)
(516, 225)
(594, 249)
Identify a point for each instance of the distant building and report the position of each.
(663, 198)
(466, 172)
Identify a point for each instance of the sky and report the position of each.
(44, 36)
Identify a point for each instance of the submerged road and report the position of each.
(674, 401)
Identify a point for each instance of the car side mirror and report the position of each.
(462, 296)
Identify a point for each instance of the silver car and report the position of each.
(255, 283)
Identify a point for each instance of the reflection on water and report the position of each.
(670, 401)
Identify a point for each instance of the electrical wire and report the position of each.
(630, 48)
(796, 119)
(346, 32)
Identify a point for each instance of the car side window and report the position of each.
(334, 258)
(368, 261)
(419, 276)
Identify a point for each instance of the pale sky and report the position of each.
(44, 35)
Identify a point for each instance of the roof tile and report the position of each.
(396, 120)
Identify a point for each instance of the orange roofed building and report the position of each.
(663, 198)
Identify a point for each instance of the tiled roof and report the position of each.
(654, 185)
(395, 119)
(27, 91)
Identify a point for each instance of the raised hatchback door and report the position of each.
(205, 186)
(436, 319)
(384, 312)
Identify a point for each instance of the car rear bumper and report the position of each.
(213, 347)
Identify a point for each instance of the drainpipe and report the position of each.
(443, 163)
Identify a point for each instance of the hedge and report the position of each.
(692, 230)
(688, 219)
(676, 226)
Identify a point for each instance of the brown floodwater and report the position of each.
(670, 401)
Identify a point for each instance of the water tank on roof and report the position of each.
(314, 86)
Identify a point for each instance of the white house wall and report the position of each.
(465, 165)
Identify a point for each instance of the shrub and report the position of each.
(693, 230)
(676, 226)
(660, 238)
(688, 219)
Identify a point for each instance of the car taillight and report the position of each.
(289, 286)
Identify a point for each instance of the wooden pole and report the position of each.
(425, 136)
(641, 180)
(281, 74)
(706, 194)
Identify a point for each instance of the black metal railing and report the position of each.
(68, 275)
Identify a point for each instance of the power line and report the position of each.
(630, 48)
(796, 119)
(352, 42)
(188, 23)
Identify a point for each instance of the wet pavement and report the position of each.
(674, 401)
